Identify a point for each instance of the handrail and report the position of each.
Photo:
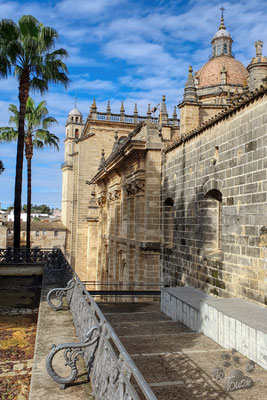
(86, 314)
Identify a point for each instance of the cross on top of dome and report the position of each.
(222, 41)
(222, 19)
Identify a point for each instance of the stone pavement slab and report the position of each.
(178, 364)
(55, 327)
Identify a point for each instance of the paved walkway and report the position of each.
(55, 327)
(176, 362)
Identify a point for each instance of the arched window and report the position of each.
(225, 48)
(218, 49)
(214, 218)
(76, 133)
(168, 222)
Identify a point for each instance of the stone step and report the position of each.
(177, 363)
(168, 344)
(149, 328)
(153, 316)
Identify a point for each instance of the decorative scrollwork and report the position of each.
(59, 293)
(72, 351)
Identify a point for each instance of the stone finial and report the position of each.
(116, 142)
(122, 112)
(174, 117)
(190, 79)
(135, 114)
(163, 111)
(102, 160)
(93, 110)
(258, 46)
(148, 114)
(135, 109)
(190, 93)
(93, 107)
(108, 111)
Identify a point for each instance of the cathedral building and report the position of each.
(149, 200)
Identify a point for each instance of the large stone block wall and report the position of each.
(228, 158)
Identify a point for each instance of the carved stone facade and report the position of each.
(128, 194)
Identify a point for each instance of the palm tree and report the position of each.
(25, 51)
(37, 136)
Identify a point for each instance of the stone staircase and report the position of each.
(176, 362)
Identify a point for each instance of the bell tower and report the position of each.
(74, 127)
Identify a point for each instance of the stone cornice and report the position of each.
(238, 103)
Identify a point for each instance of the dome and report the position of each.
(221, 32)
(210, 73)
(75, 112)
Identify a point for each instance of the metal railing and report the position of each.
(22, 256)
(123, 288)
(113, 374)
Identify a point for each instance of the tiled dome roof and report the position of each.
(75, 111)
(210, 73)
(221, 32)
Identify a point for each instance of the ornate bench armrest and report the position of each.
(59, 293)
(71, 353)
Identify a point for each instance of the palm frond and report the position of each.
(5, 66)
(8, 31)
(29, 26)
(8, 134)
(39, 85)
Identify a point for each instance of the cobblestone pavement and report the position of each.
(176, 362)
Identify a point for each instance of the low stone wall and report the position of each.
(233, 323)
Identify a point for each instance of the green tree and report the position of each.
(26, 50)
(37, 136)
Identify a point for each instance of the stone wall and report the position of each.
(217, 181)
(3, 235)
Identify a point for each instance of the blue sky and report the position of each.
(134, 51)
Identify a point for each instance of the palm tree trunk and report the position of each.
(23, 96)
(29, 199)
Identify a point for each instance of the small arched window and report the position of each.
(214, 213)
(225, 48)
(76, 133)
(168, 222)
